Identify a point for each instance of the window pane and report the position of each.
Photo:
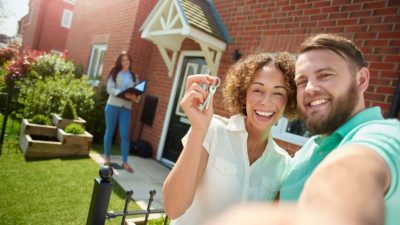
(92, 70)
(100, 64)
(297, 127)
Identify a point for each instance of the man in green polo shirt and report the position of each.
(349, 172)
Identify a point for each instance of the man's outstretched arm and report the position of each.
(349, 185)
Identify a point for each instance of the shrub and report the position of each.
(74, 128)
(51, 95)
(19, 65)
(40, 119)
(6, 54)
(96, 119)
(49, 65)
(69, 111)
(79, 71)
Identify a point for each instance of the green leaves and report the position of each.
(51, 96)
(74, 128)
(69, 111)
(41, 120)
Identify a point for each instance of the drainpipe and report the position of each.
(394, 109)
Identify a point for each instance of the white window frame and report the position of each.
(66, 19)
(279, 132)
(91, 74)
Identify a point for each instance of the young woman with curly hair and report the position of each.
(226, 161)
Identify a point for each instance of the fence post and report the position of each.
(10, 90)
(100, 197)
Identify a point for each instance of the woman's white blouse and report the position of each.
(229, 178)
(123, 81)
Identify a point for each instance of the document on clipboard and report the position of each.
(138, 89)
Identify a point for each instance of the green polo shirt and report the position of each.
(367, 127)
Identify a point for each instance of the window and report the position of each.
(290, 131)
(66, 19)
(95, 67)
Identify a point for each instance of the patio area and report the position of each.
(149, 174)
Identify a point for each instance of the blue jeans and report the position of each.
(122, 116)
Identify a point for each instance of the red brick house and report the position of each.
(171, 39)
(47, 25)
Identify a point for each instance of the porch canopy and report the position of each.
(171, 21)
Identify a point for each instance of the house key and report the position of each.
(211, 90)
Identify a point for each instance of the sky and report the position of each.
(16, 10)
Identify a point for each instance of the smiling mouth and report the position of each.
(266, 114)
(318, 102)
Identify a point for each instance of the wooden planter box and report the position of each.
(40, 149)
(79, 143)
(61, 123)
(64, 144)
(36, 129)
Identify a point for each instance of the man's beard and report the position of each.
(342, 108)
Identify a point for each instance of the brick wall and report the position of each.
(31, 25)
(53, 36)
(115, 23)
(281, 26)
(44, 32)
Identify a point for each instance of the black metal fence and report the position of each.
(101, 198)
(9, 131)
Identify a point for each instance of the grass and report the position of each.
(54, 191)
(12, 130)
(51, 191)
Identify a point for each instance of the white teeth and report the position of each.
(261, 113)
(318, 102)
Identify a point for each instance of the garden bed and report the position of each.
(43, 141)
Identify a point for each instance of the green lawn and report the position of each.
(12, 130)
(54, 191)
(49, 191)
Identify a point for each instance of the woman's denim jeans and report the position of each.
(122, 116)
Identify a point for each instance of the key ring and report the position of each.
(218, 83)
(211, 90)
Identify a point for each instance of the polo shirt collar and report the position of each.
(366, 115)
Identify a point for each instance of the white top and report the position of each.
(123, 81)
(229, 178)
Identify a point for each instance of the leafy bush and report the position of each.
(51, 95)
(69, 111)
(74, 128)
(96, 122)
(20, 64)
(79, 71)
(49, 65)
(6, 54)
(40, 119)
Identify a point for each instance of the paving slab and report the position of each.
(149, 174)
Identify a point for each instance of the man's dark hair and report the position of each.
(340, 45)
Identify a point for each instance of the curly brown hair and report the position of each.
(240, 75)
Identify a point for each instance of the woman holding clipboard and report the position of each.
(118, 108)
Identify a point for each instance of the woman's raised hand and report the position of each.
(194, 96)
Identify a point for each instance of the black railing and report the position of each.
(101, 198)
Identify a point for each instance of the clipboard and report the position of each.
(137, 90)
